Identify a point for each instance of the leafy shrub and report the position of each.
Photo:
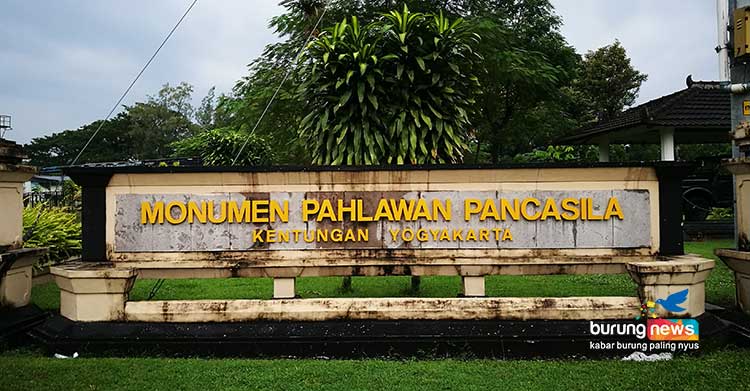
(399, 90)
(720, 214)
(71, 194)
(219, 147)
(57, 228)
(551, 154)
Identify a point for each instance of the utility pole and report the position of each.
(722, 43)
(739, 166)
(739, 45)
(739, 61)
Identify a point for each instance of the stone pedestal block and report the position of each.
(93, 292)
(739, 262)
(741, 170)
(16, 274)
(15, 263)
(663, 282)
(473, 286)
(12, 178)
(283, 288)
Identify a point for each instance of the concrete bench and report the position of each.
(99, 292)
(285, 223)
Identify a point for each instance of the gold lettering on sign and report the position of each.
(269, 215)
(249, 211)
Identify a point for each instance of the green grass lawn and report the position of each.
(725, 369)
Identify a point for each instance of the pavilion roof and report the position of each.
(700, 113)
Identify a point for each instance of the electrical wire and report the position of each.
(155, 288)
(286, 77)
(101, 124)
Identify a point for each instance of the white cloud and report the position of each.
(66, 62)
(69, 61)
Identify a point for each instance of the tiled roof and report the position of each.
(702, 106)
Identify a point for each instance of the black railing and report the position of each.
(51, 198)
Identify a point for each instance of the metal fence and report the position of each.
(52, 198)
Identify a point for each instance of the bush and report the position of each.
(551, 154)
(399, 90)
(218, 147)
(720, 214)
(71, 194)
(57, 228)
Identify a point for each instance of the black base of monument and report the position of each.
(347, 339)
(15, 322)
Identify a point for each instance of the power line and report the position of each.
(286, 76)
(101, 124)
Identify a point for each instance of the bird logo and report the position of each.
(673, 301)
(671, 304)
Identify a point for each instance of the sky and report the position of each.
(64, 63)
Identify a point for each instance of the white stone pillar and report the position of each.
(667, 144)
(283, 288)
(473, 286)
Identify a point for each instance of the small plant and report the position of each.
(56, 228)
(551, 154)
(720, 214)
(71, 194)
(219, 147)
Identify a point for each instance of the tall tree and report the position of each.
(609, 81)
(529, 70)
(153, 127)
(144, 130)
(113, 143)
(176, 98)
(205, 114)
(526, 97)
(243, 107)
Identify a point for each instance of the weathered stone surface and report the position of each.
(634, 231)
(658, 280)
(627, 231)
(91, 292)
(388, 241)
(565, 234)
(132, 235)
(511, 308)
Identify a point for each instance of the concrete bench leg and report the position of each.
(739, 262)
(93, 292)
(473, 286)
(284, 288)
(15, 284)
(658, 280)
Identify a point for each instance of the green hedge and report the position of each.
(57, 228)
